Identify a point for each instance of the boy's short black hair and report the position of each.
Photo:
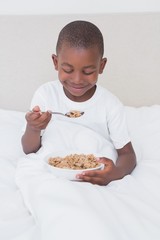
(81, 34)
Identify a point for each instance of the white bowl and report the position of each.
(69, 174)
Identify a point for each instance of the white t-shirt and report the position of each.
(103, 112)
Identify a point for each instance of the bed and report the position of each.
(125, 209)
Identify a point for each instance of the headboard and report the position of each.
(132, 47)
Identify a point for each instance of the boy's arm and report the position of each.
(36, 121)
(31, 140)
(126, 161)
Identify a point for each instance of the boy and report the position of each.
(79, 60)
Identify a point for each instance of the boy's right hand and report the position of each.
(36, 120)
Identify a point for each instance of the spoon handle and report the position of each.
(58, 113)
(52, 112)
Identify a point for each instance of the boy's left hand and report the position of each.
(101, 177)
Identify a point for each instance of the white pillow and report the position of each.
(144, 127)
(11, 123)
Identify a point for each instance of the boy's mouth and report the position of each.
(76, 89)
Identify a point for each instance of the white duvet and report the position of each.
(36, 205)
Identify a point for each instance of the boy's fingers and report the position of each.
(36, 109)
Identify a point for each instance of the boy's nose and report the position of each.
(77, 77)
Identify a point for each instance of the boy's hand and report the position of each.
(36, 120)
(101, 177)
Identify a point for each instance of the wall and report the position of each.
(132, 47)
(73, 6)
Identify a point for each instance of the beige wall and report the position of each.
(80, 7)
(132, 46)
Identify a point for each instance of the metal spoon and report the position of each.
(71, 114)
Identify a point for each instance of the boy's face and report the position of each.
(78, 71)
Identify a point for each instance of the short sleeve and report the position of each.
(117, 125)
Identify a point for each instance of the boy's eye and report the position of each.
(88, 73)
(67, 70)
(70, 70)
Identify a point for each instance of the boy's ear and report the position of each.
(102, 65)
(55, 61)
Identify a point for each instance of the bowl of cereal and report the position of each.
(68, 165)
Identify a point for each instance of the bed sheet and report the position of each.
(125, 209)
